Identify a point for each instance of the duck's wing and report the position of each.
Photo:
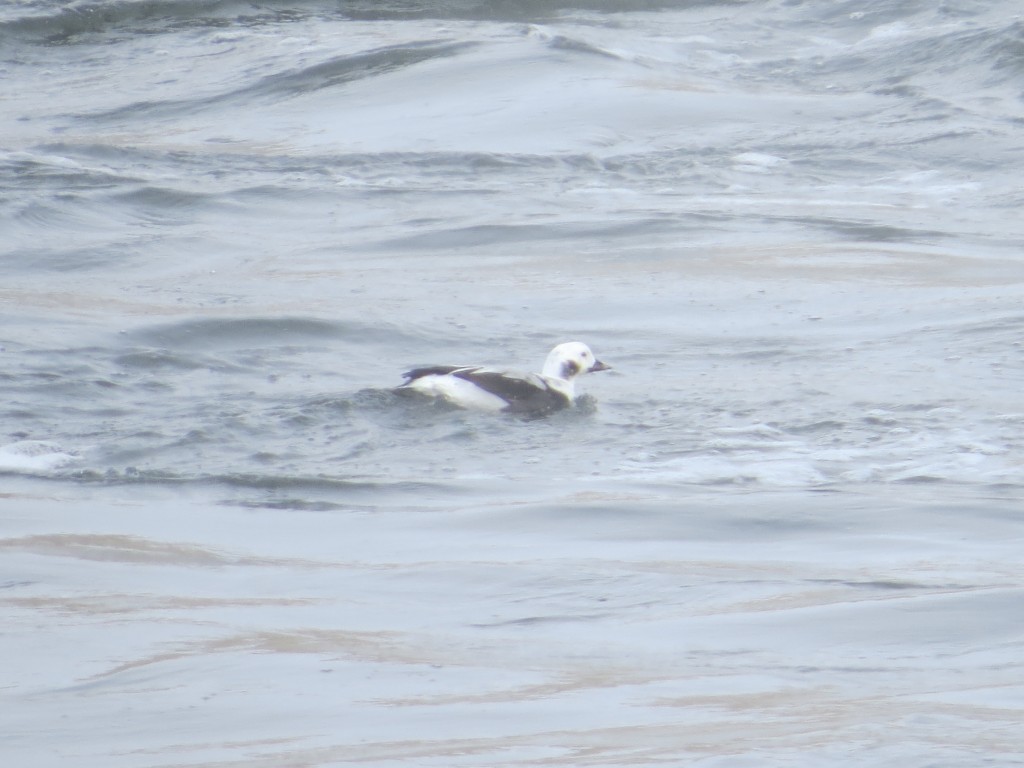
(525, 393)
(433, 370)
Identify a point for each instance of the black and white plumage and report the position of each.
(488, 389)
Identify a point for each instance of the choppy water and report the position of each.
(785, 530)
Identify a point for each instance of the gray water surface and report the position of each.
(784, 530)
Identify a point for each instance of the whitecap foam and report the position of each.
(34, 457)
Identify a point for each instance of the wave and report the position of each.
(255, 481)
(59, 23)
(905, 50)
(513, 10)
(55, 22)
(234, 332)
(272, 88)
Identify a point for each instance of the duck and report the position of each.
(477, 387)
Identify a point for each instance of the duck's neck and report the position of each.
(555, 368)
(566, 386)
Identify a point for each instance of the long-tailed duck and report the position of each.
(532, 394)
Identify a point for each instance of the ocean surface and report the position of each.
(785, 530)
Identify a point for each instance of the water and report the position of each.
(784, 530)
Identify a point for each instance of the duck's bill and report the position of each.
(599, 366)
